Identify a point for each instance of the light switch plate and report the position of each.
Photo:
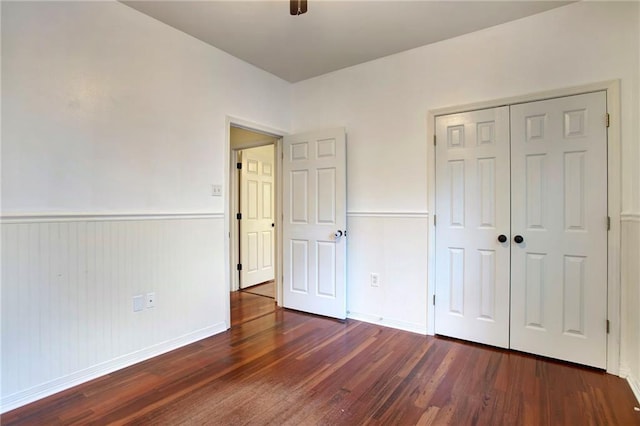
(216, 190)
(138, 303)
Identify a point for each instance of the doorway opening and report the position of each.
(311, 248)
(253, 237)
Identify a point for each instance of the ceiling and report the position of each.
(333, 34)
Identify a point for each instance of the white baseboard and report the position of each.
(391, 323)
(635, 387)
(634, 383)
(35, 393)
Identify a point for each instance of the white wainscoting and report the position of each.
(394, 245)
(68, 283)
(630, 359)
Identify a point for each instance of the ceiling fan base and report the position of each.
(297, 7)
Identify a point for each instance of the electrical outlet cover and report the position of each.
(151, 300)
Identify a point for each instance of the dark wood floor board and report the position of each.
(279, 367)
(266, 289)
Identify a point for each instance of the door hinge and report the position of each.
(434, 140)
(434, 220)
(608, 223)
(608, 326)
(434, 300)
(239, 216)
(239, 166)
(607, 120)
(239, 267)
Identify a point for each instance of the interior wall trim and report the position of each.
(100, 217)
(634, 384)
(388, 322)
(35, 393)
(403, 215)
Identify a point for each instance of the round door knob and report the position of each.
(502, 238)
(518, 239)
(337, 234)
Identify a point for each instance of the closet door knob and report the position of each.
(518, 239)
(502, 238)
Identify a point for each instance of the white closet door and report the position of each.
(472, 209)
(559, 208)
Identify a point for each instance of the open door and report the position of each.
(257, 219)
(314, 222)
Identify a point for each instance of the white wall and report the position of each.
(384, 105)
(106, 111)
(119, 120)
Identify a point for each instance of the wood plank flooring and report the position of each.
(277, 367)
(247, 306)
(267, 289)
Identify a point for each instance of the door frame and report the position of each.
(231, 244)
(614, 206)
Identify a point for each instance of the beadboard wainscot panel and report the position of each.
(68, 283)
(630, 267)
(393, 245)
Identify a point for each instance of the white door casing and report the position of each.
(472, 210)
(257, 240)
(314, 214)
(559, 207)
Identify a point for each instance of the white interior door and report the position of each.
(314, 217)
(472, 211)
(559, 208)
(257, 222)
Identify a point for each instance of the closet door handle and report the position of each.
(518, 239)
(502, 238)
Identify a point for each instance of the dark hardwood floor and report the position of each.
(279, 367)
(246, 306)
(267, 289)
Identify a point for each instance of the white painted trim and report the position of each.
(530, 97)
(431, 234)
(35, 393)
(634, 384)
(401, 215)
(614, 198)
(279, 275)
(385, 322)
(254, 127)
(629, 217)
(101, 217)
(614, 195)
(234, 207)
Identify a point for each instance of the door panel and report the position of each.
(256, 225)
(314, 192)
(557, 203)
(559, 207)
(472, 209)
